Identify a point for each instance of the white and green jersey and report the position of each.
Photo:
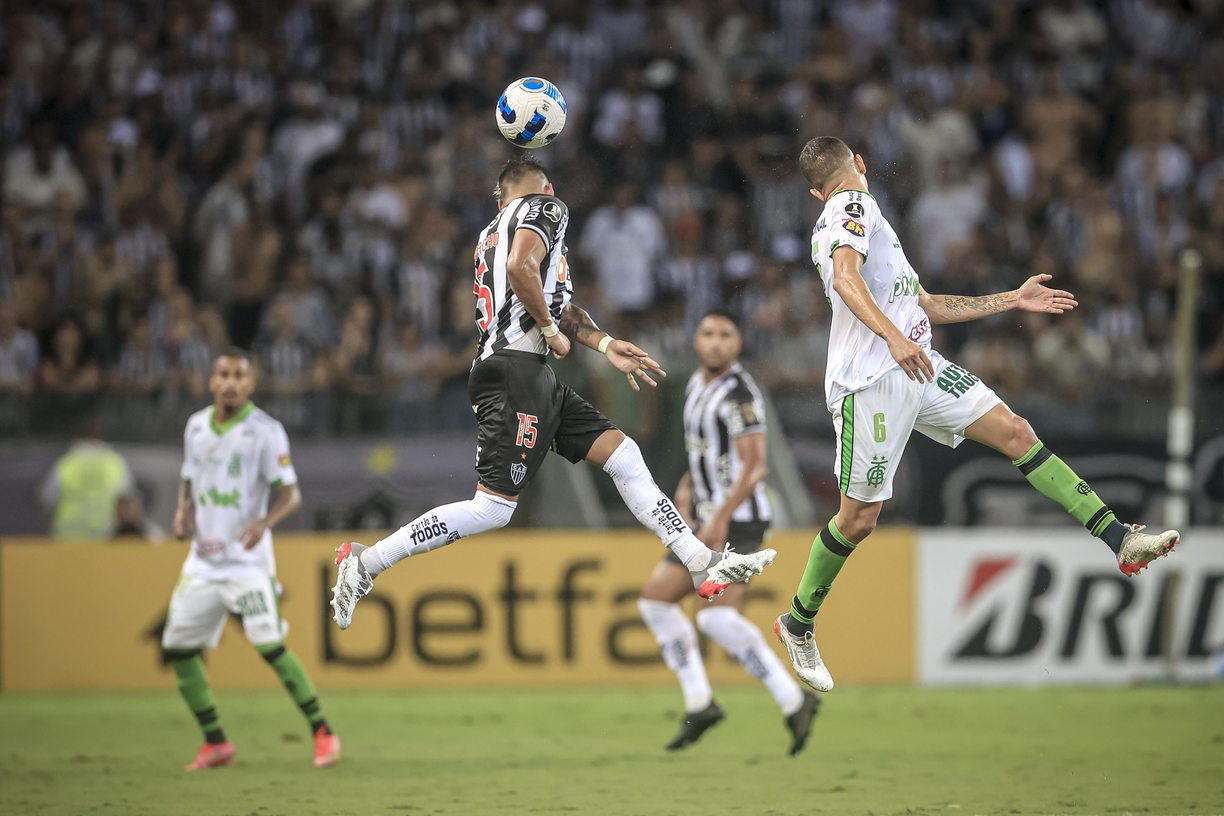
(857, 357)
(232, 469)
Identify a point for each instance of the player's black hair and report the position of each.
(725, 315)
(514, 170)
(821, 158)
(235, 352)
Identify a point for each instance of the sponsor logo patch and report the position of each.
(850, 225)
(854, 209)
(283, 460)
(552, 211)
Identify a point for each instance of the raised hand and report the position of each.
(634, 363)
(1032, 296)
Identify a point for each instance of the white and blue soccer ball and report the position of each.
(531, 112)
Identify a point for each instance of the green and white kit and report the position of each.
(233, 468)
(875, 405)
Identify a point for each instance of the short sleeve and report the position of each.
(547, 217)
(744, 413)
(277, 465)
(185, 472)
(851, 216)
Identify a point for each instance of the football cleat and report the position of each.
(804, 657)
(800, 723)
(353, 582)
(733, 568)
(696, 723)
(212, 756)
(327, 748)
(1140, 549)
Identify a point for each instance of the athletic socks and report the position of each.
(1059, 483)
(653, 509)
(678, 640)
(743, 641)
(437, 528)
(293, 676)
(193, 685)
(829, 552)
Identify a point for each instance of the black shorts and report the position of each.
(522, 413)
(743, 536)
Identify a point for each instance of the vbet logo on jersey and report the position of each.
(1004, 607)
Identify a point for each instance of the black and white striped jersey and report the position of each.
(716, 413)
(502, 319)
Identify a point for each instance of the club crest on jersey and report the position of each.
(552, 211)
(518, 472)
(850, 225)
(854, 209)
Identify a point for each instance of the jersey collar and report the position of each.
(232, 422)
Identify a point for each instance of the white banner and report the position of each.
(1001, 606)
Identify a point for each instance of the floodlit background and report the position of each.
(306, 179)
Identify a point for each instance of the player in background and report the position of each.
(884, 381)
(523, 311)
(235, 457)
(722, 496)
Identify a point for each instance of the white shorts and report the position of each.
(874, 424)
(199, 608)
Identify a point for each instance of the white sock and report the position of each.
(678, 640)
(743, 641)
(437, 528)
(652, 508)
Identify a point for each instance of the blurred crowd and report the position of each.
(306, 178)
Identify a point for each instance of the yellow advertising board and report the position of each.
(518, 608)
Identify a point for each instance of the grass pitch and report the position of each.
(874, 751)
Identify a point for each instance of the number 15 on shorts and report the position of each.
(526, 437)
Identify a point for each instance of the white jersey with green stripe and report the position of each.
(857, 357)
(233, 468)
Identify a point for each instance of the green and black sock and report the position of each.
(293, 675)
(829, 552)
(1059, 483)
(193, 685)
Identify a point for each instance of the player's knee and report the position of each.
(271, 652)
(494, 511)
(858, 525)
(1023, 437)
(716, 618)
(170, 655)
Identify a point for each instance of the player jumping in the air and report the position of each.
(523, 310)
(234, 457)
(724, 433)
(884, 381)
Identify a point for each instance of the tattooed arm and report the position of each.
(578, 326)
(627, 358)
(1032, 296)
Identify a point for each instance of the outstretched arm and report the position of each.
(627, 358)
(1032, 296)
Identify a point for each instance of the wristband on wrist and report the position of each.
(605, 342)
(550, 330)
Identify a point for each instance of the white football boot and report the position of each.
(804, 657)
(353, 582)
(1140, 549)
(732, 568)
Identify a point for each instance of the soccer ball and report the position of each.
(531, 112)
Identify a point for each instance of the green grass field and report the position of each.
(886, 751)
